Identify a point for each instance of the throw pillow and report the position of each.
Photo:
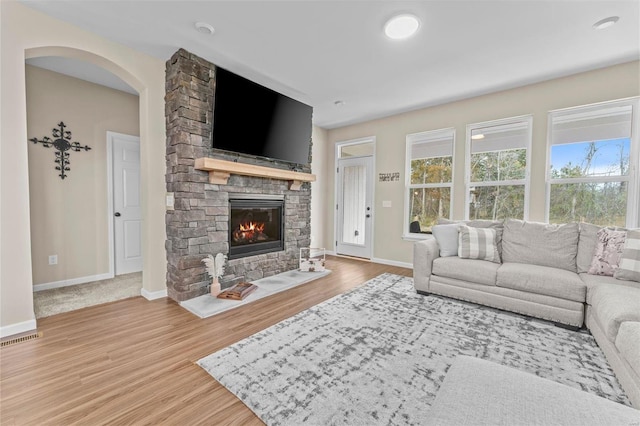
(481, 223)
(629, 268)
(447, 238)
(478, 243)
(606, 258)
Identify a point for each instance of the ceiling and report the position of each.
(319, 52)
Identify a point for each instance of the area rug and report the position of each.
(378, 354)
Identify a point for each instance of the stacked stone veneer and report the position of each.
(199, 223)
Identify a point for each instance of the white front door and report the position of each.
(127, 211)
(355, 208)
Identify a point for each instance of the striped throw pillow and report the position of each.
(629, 267)
(478, 243)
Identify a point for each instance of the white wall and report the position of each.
(605, 84)
(319, 188)
(26, 33)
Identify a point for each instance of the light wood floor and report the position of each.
(133, 361)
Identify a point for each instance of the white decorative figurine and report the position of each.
(215, 269)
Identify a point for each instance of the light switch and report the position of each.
(386, 203)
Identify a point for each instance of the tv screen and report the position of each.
(252, 119)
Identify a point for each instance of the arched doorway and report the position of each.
(82, 262)
(76, 241)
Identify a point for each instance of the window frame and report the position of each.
(526, 181)
(426, 137)
(632, 178)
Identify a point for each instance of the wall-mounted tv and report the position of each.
(252, 119)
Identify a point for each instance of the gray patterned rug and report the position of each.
(378, 354)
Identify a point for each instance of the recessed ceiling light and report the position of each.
(606, 22)
(339, 103)
(401, 26)
(478, 136)
(204, 28)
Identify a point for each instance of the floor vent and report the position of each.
(20, 339)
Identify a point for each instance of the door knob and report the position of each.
(117, 214)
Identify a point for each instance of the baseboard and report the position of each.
(376, 260)
(72, 281)
(153, 295)
(21, 327)
(392, 263)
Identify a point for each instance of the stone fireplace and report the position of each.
(202, 221)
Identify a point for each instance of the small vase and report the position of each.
(215, 287)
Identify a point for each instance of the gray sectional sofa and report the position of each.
(542, 272)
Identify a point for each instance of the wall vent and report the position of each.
(20, 339)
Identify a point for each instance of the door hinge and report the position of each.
(337, 169)
(336, 243)
(336, 207)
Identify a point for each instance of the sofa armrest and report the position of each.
(424, 252)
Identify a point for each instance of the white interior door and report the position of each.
(355, 207)
(127, 211)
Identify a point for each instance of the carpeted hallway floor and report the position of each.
(65, 299)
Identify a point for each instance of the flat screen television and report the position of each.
(251, 119)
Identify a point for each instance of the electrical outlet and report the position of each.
(53, 259)
(169, 201)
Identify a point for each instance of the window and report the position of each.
(429, 170)
(497, 171)
(592, 165)
(356, 149)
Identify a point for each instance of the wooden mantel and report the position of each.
(220, 170)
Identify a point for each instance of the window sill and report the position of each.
(416, 237)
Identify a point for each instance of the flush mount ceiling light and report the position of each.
(204, 28)
(606, 22)
(477, 137)
(401, 26)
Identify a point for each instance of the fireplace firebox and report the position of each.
(256, 226)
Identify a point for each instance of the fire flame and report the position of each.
(249, 232)
(252, 227)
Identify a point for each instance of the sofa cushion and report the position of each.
(628, 343)
(606, 256)
(447, 238)
(541, 280)
(587, 240)
(478, 243)
(629, 268)
(477, 271)
(540, 244)
(494, 224)
(614, 304)
(593, 280)
(482, 393)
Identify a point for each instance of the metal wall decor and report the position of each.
(62, 144)
(389, 177)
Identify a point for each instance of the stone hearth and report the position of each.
(199, 223)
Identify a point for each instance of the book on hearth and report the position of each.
(238, 291)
